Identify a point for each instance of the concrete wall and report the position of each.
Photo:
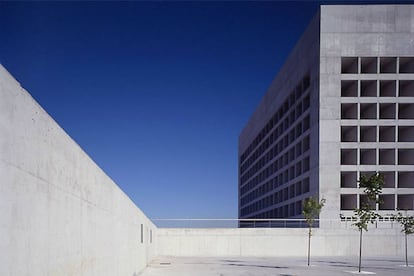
(60, 214)
(280, 242)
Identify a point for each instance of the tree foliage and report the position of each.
(406, 222)
(372, 188)
(372, 185)
(311, 209)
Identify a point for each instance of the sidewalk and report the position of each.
(289, 266)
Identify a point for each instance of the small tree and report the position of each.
(311, 209)
(407, 224)
(372, 188)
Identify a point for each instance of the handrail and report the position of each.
(340, 222)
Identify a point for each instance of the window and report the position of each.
(369, 65)
(349, 111)
(368, 134)
(388, 65)
(405, 156)
(348, 156)
(389, 179)
(367, 156)
(387, 202)
(387, 111)
(368, 88)
(386, 133)
(306, 164)
(368, 111)
(305, 185)
(386, 156)
(406, 111)
(363, 200)
(406, 88)
(405, 179)
(387, 88)
(405, 202)
(142, 233)
(348, 202)
(348, 134)
(406, 65)
(349, 88)
(348, 179)
(405, 133)
(349, 65)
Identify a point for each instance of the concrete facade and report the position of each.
(60, 214)
(278, 160)
(360, 62)
(378, 137)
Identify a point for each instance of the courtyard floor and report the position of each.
(289, 266)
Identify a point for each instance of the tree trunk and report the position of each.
(360, 250)
(406, 251)
(309, 244)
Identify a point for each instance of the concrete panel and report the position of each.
(60, 214)
(365, 18)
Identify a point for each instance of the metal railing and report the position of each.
(340, 223)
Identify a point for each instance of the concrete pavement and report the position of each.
(238, 266)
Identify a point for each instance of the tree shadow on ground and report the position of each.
(261, 266)
(232, 261)
(349, 265)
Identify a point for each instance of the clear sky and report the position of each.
(155, 92)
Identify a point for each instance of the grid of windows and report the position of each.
(273, 170)
(377, 129)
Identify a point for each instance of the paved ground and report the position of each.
(193, 266)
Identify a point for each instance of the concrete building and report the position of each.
(60, 214)
(342, 106)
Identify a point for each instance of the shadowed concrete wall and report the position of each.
(280, 242)
(60, 214)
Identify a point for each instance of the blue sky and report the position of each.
(155, 92)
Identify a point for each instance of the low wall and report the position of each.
(59, 213)
(279, 242)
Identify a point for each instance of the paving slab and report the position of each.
(289, 266)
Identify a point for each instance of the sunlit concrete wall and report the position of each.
(280, 242)
(60, 214)
(362, 31)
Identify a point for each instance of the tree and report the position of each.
(365, 214)
(311, 209)
(407, 224)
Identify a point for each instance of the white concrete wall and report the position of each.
(280, 242)
(60, 214)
